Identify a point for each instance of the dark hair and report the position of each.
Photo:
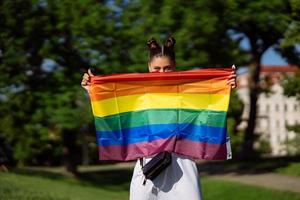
(167, 50)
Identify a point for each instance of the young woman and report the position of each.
(180, 180)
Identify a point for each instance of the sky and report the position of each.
(270, 57)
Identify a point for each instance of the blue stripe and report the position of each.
(148, 133)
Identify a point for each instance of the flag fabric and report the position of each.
(141, 114)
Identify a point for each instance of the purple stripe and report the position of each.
(196, 150)
(201, 150)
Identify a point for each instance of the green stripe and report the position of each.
(161, 116)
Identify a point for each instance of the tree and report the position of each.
(39, 99)
(264, 24)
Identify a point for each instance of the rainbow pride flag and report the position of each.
(141, 114)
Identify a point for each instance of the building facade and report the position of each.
(274, 110)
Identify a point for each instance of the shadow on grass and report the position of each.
(109, 179)
(39, 173)
(256, 166)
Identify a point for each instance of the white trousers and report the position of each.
(179, 181)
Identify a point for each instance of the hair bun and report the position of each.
(166, 50)
(152, 44)
(170, 42)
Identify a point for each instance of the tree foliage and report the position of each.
(39, 98)
(292, 86)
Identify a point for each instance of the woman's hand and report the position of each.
(86, 79)
(232, 78)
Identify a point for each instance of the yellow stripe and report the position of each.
(218, 102)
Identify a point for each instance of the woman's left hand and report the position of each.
(232, 78)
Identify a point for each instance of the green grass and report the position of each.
(31, 187)
(293, 169)
(226, 190)
(113, 185)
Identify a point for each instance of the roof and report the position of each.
(271, 69)
(279, 68)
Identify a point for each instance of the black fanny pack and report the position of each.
(156, 165)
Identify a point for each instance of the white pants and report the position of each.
(178, 181)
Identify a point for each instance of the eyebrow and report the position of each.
(162, 67)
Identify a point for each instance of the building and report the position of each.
(274, 110)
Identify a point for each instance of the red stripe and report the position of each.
(192, 74)
(196, 150)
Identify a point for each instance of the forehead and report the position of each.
(161, 61)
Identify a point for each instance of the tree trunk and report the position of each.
(249, 137)
(85, 151)
(70, 152)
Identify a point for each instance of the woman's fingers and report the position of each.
(85, 83)
(86, 79)
(232, 78)
(90, 73)
(232, 83)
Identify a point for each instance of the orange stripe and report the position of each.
(110, 90)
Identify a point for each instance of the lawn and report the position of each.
(16, 186)
(293, 169)
(113, 184)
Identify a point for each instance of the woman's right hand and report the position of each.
(86, 79)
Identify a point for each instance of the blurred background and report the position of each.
(47, 136)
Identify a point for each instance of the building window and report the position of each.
(278, 138)
(268, 108)
(285, 107)
(273, 124)
(295, 107)
(278, 123)
(277, 107)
